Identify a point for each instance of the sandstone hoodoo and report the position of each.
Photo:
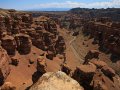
(84, 74)
(92, 54)
(9, 44)
(23, 43)
(60, 45)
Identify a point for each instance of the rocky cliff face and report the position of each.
(56, 81)
(97, 75)
(4, 65)
(11, 25)
(105, 34)
(87, 13)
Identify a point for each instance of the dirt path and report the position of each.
(75, 51)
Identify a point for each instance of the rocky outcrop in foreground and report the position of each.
(56, 81)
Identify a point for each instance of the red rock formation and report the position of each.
(50, 55)
(84, 74)
(60, 45)
(109, 72)
(101, 82)
(91, 54)
(23, 43)
(107, 36)
(101, 78)
(18, 32)
(8, 86)
(98, 63)
(66, 69)
(41, 65)
(9, 44)
(4, 65)
(27, 18)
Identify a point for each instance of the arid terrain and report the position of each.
(75, 50)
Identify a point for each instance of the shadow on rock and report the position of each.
(36, 76)
(114, 58)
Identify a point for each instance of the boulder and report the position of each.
(31, 61)
(14, 61)
(8, 86)
(56, 81)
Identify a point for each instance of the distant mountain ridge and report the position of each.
(49, 9)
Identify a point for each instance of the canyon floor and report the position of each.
(21, 75)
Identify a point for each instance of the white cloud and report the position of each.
(73, 4)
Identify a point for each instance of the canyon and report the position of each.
(59, 50)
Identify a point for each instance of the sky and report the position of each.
(36, 4)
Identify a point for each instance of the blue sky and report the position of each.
(34, 4)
